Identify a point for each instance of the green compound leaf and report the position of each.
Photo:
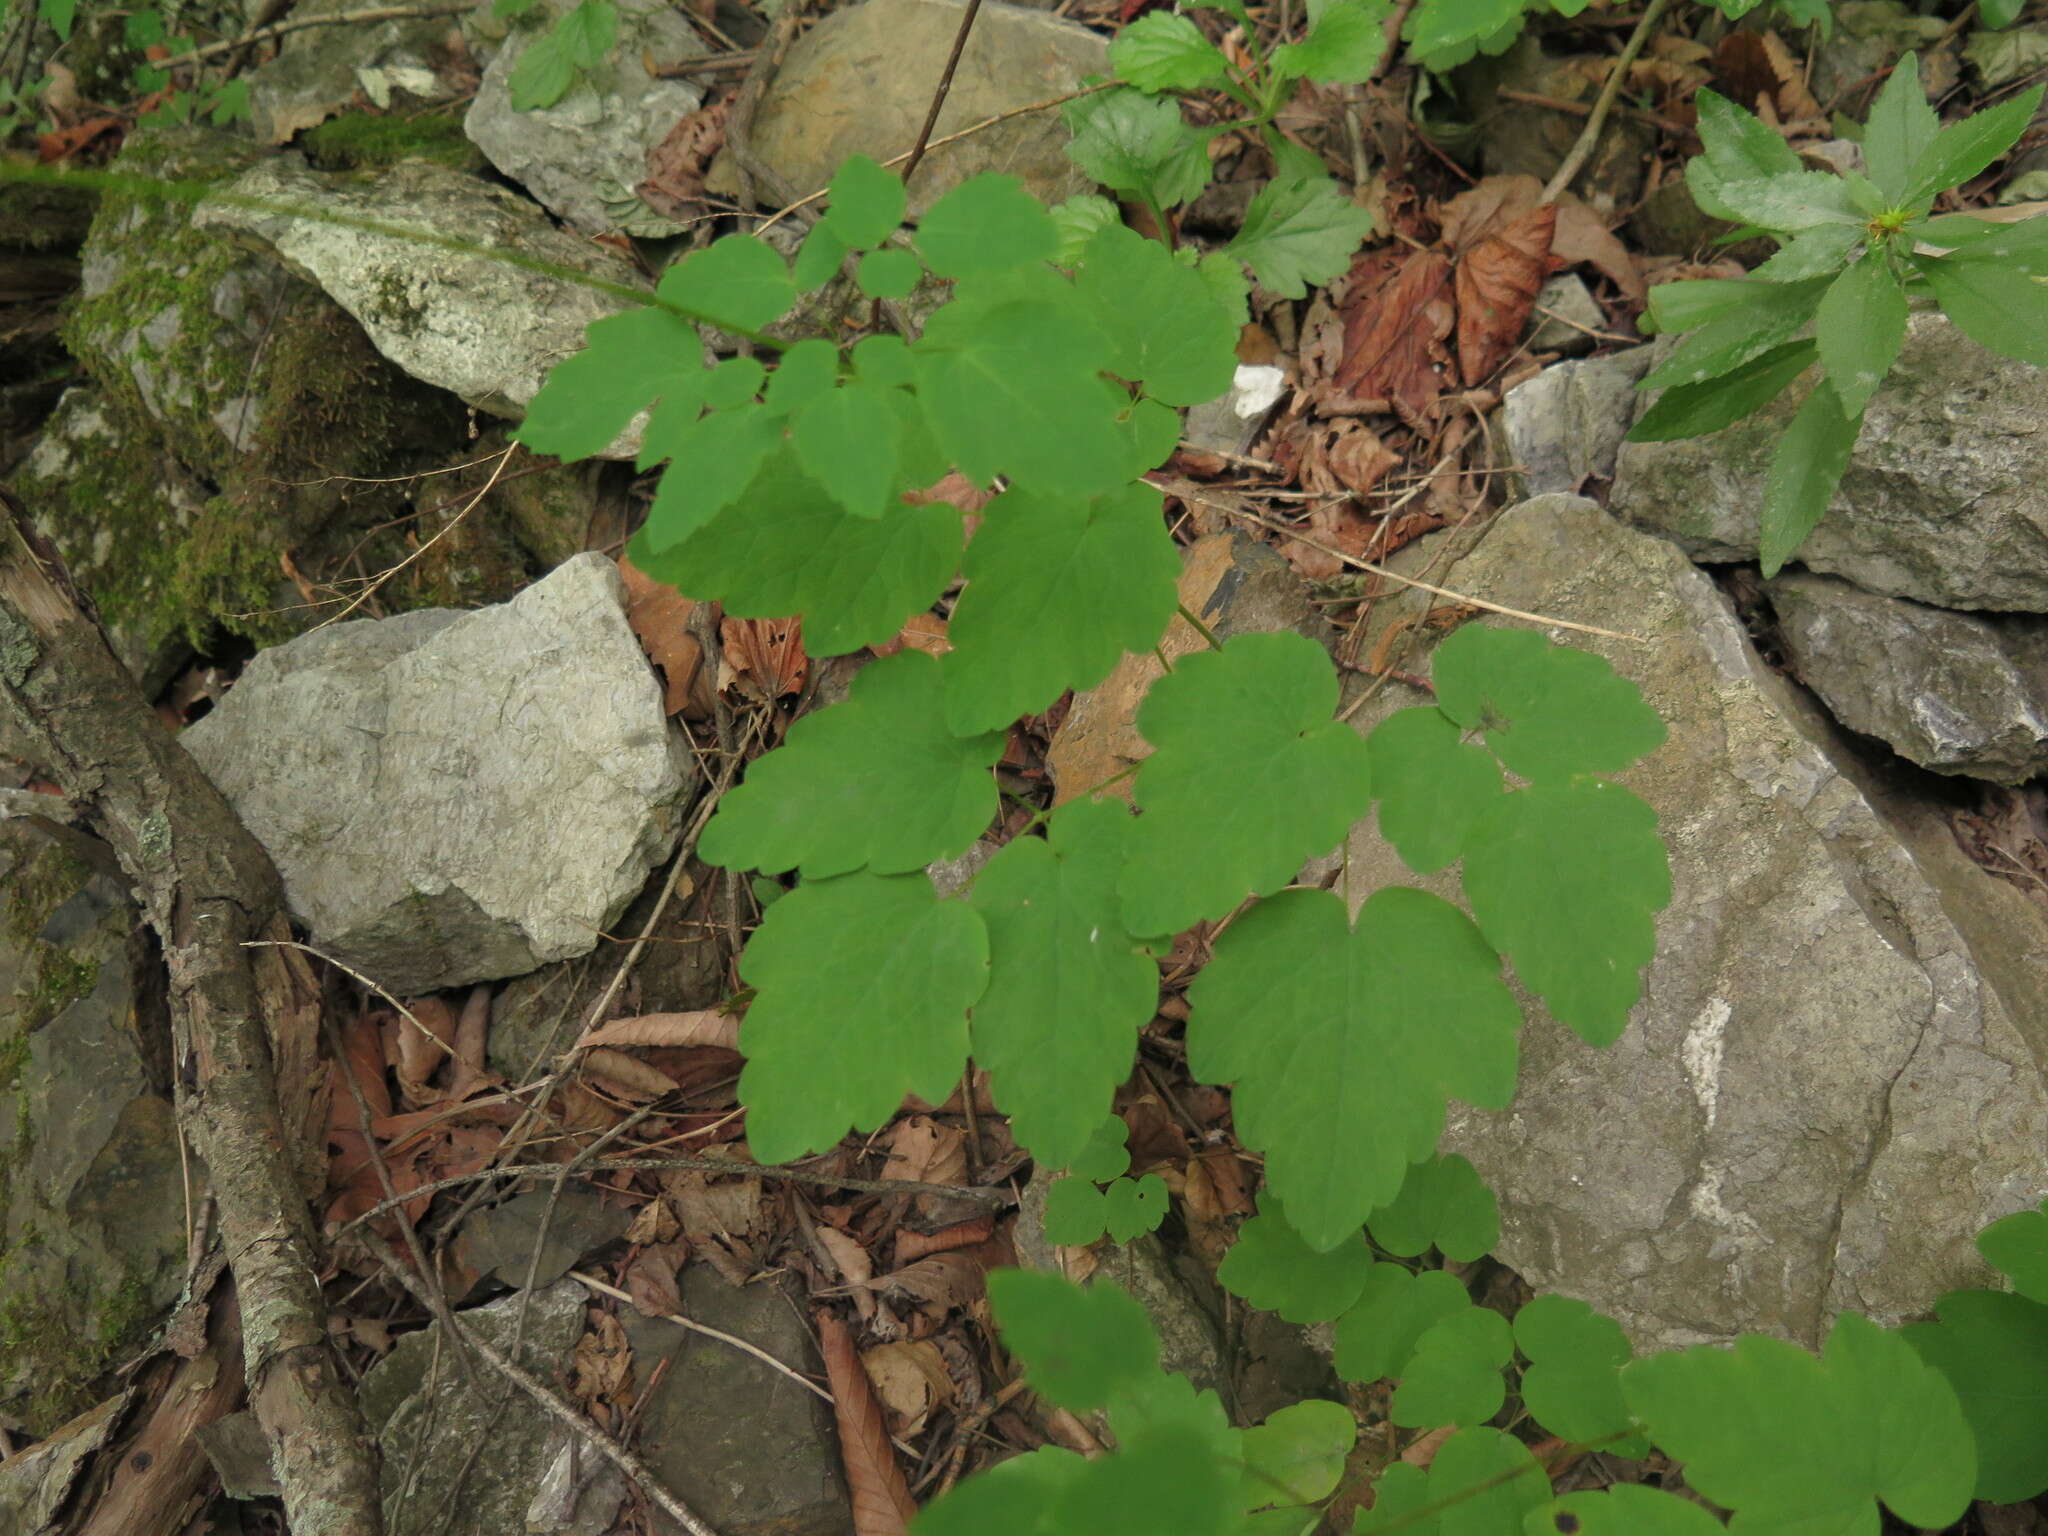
(1566, 881)
(1018, 1497)
(735, 382)
(1134, 143)
(723, 451)
(1255, 712)
(1299, 233)
(988, 223)
(1572, 1386)
(1076, 1214)
(1133, 1207)
(1626, 1509)
(790, 548)
(849, 440)
(1550, 712)
(1900, 128)
(627, 360)
(1433, 786)
(1806, 467)
(867, 202)
(1444, 25)
(2018, 1245)
(1693, 410)
(1079, 1348)
(1740, 146)
(1454, 1375)
(1789, 1441)
(1992, 290)
(818, 258)
(1162, 318)
(1483, 1483)
(1775, 313)
(826, 1056)
(1345, 42)
(1993, 1350)
(1443, 1204)
(1314, 1024)
(1068, 988)
(1964, 148)
(806, 372)
(1297, 1456)
(1273, 1269)
(1860, 326)
(1376, 1338)
(887, 274)
(1154, 432)
(543, 74)
(1164, 52)
(877, 782)
(587, 33)
(740, 281)
(1058, 588)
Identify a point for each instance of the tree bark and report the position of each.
(207, 887)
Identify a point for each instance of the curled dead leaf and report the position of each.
(882, 1505)
(706, 1026)
(910, 1380)
(626, 1076)
(1497, 280)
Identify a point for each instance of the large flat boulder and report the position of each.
(452, 797)
(1835, 1076)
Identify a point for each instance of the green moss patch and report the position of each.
(358, 141)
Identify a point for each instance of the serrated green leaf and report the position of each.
(790, 548)
(722, 453)
(1300, 234)
(543, 74)
(1572, 1386)
(1790, 201)
(988, 223)
(1134, 143)
(1859, 327)
(1313, 1024)
(1058, 588)
(1079, 219)
(1625, 1509)
(818, 258)
(1377, 1336)
(1964, 148)
(1068, 988)
(1442, 25)
(1165, 325)
(1693, 410)
(866, 204)
(1133, 1207)
(875, 783)
(1739, 145)
(1993, 300)
(1443, 1204)
(627, 360)
(1433, 786)
(1075, 1213)
(1160, 51)
(1297, 1456)
(806, 372)
(1153, 431)
(1900, 128)
(848, 440)
(887, 274)
(1106, 1155)
(1345, 42)
(2017, 1245)
(1483, 1482)
(1227, 285)
(1992, 1349)
(1816, 252)
(1454, 1376)
(1079, 1348)
(825, 1056)
(1550, 712)
(587, 32)
(740, 281)
(1683, 306)
(1776, 313)
(1806, 467)
(1018, 1497)
(1168, 1481)
(1203, 844)
(1779, 1437)
(1273, 1269)
(1565, 881)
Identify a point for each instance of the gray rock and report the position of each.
(498, 1243)
(318, 70)
(477, 327)
(1567, 314)
(1565, 426)
(1943, 497)
(456, 796)
(1952, 692)
(1834, 1079)
(861, 81)
(430, 1421)
(748, 1449)
(92, 1211)
(583, 156)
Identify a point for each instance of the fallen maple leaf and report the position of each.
(882, 1505)
(1497, 281)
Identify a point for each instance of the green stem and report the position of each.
(1200, 628)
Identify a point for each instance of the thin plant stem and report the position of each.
(931, 117)
(1596, 120)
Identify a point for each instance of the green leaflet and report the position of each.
(849, 440)
(890, 274)
(2018, 1245)
(1345, 42)
(1993, 1350)
(1312, 1021)
(864, 983)
(877, 783)
(740, 281)
(1203, 843)
(1483, 1481)
(1550, 712)
(1443, 1204)
(1068, 988)
(1058, 588)
(1018, 1497)
(866, 203)
(1179, 341)
(1572, 1385)
(1692, 410)
(1134, 144)
(1105, 1156)
(1297, 1456)
(1160, 51)
(1454, 1375)
(721, 452)
(1377, 1337)
(1783, 1438)
(1565, 881)
(1443, 25)
(627, 360)
(1900, 127)
(1433, 786)
(1859, 327)
(987, 224)
(1299, 232)
(1079, 1348)
(1273, 1269)
(1806, 467)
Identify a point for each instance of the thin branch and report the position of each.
(335, 19)
(1596, 120)
(931, 117)
(709, 1332)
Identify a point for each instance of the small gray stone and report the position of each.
(1566, 316)
(1565, 426)
(498, 1243)
(452, 797)
(1953, 692)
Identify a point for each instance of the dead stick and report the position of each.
(931, 117)
(1596, 120)
(338, 19)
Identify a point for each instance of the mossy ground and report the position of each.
(358, 141)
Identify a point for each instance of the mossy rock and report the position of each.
(34, 217)
(357, 141)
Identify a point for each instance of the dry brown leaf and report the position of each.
(707, 1026)
(472, 1031)
(601, 1370)
(731, 1207)
(851, 1262)
(765, 657)
(910, 1379)
(1497, 281)
(675, 167)
(882, 1505)
(419, 1057)
(953, 1279)
(911, 1246)
(1761, 74)
(651, 1279)
(921, 632)
(653, 1223)
(660, 616)
(626, 1076)
(1391, 356)
(921, 1149)
(1580, 237)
